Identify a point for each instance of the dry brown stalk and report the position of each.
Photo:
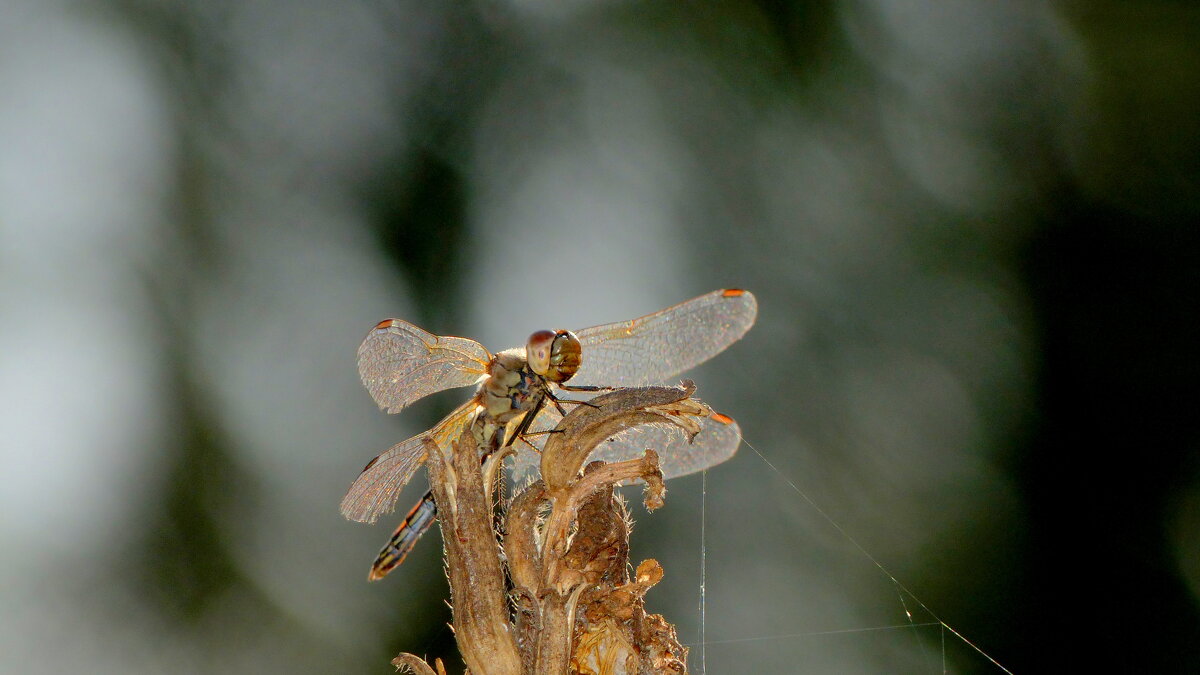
(567, 603)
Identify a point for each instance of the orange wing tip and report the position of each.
(386, 323)
(732, 292)
(723, 419)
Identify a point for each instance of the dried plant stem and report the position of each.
(567, 603)
(418, 666)
(566, 506)
(473, 562)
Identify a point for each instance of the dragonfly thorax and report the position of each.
(512, 388)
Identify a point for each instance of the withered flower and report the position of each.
(553, 594)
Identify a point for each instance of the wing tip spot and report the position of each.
(722, 419)
(732, 292)
(386, 323)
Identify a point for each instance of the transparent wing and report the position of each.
(717, 441)
(657, 347)
(401, 363)
(376, 489)
(527, 460)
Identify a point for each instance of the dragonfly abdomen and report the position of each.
(416, 523)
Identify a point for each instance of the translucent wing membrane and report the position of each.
(656, 347)
(376, 489)
(717, 441)
(400, 363)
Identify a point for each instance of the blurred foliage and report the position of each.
(972, 229)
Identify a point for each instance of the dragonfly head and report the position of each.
(555, 355)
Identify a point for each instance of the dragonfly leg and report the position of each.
(558, 405)
(585, 387)
(534, 433)
(574, 402)
(543, 432)
(527, 420)
(559, 401)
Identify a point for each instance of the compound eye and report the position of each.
(565, 356)
(538, 351)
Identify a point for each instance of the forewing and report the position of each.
(656, 347)
(376, 489)
(401, 363)
(717, 441)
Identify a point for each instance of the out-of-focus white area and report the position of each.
(612, 171)
(86, 146)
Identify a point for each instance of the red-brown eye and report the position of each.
(538, 351)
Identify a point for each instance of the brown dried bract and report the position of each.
(567, 603)
(417, 666)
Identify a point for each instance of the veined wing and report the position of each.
(376, 489)
(401, 363)
(656, 347)
(717, 441)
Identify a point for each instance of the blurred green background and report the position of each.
(971, 227)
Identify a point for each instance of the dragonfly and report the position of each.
(400, 363)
